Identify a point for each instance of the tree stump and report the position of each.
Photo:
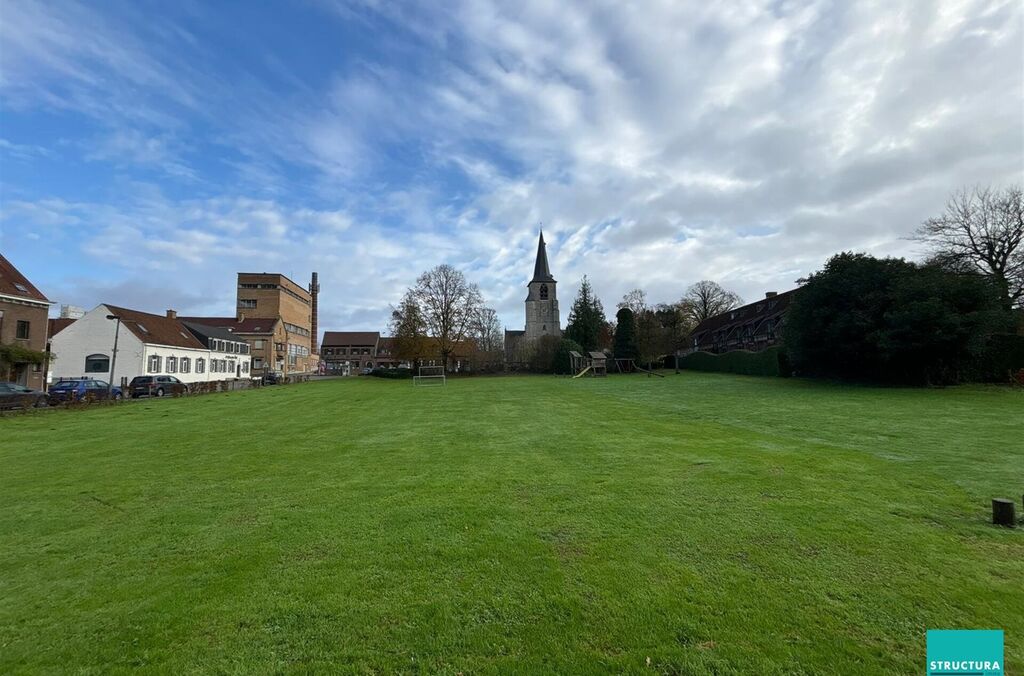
(1003, 512)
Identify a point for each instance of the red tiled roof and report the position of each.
(247, 325)
(156, 329)
(57, 325)
(342, 338)
(13, 283)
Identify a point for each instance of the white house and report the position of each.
(147, 344)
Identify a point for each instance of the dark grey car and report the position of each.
(13, 395)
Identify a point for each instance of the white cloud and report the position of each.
(658, 144)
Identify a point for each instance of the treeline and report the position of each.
(955, 317)
(640, 332)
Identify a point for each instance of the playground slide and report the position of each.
(582, 372)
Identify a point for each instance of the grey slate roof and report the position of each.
(541, 271)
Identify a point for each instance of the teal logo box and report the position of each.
(965, 652)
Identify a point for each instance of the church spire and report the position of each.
(541, 272)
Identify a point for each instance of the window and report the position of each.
(185, 365)
(20, 287)
(213, 366)
(257, 363)
(247, 303)
(223, 365)
(142, 328)
(154, 364)
(172, 364)
(22, 329)
(200, 365)
(97, 363)
(543, 291)
(257, 344)
(245, 348)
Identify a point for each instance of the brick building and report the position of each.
(753, 327)
(348, 352)
(23, 328)
(277, 317)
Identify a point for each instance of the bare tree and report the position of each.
(981, 230)
(490, 339)
(409, 329)
(676, 323)
(635, 300)
(706, 299)
(449, 305)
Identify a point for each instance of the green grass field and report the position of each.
(694, 524)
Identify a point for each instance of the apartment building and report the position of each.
(277, 318)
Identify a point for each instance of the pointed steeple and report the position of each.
(541, 272)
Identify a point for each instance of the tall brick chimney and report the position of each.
(171, 314)
(314, 290)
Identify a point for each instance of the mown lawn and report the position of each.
(693, 524)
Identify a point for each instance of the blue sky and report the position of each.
(148, 151)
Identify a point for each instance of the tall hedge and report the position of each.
(767, 362)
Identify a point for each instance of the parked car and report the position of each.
(13, 395)
(273, 378)
(155, 386)
(366, 371)
(82, 388)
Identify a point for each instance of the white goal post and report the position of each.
(429, 376)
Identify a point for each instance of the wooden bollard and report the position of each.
(1003, 512)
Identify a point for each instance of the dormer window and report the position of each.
(543, 291)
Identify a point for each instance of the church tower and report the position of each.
(542, 317)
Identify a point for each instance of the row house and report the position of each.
(344, 353)
(348, 352)
(23, 328)
(147, 344)
(753, 327)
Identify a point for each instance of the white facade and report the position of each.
(79, 350)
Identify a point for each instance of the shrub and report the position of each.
(1003, 357)
(394, 374)
(542, 356)
(563, 360)
(767, 362)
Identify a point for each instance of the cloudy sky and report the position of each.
(150, 150)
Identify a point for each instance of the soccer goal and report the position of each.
(429, 376)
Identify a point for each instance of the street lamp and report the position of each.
(113, 360)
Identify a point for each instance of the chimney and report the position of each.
(314, 290)
(771, 294)
(171, 314)
(241, 317)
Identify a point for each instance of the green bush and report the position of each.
(1003, 356)
(563, 360)
(769, 362)
(395, 374)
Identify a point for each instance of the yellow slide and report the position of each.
(581, 372)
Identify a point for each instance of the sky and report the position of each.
(151, 150)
